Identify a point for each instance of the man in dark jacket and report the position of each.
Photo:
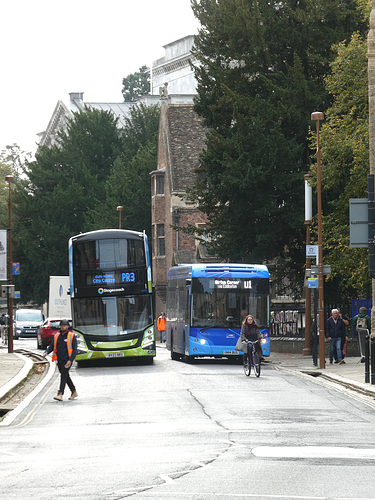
(64, 347)
(335, 331)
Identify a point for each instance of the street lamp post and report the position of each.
(317, 116)
(308, 217)
(119, 209)
(9, 179)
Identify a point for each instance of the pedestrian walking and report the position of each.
(64, 347)
(335, 331)
(362, 322)
(344, 338)
(162, 326)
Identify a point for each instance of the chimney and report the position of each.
(76, 96)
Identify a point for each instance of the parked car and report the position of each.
(47, 331)
(27, 322)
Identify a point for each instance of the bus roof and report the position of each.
(103, 234)
(219, 270)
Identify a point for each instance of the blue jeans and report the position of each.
(332, 343)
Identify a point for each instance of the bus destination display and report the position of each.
(233, 283)
(112, 278)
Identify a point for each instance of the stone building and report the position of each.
(181, 139)
(62, 113)
(175, 69)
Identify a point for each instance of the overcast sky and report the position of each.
(52, 47)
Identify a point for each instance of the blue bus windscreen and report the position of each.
(226, 302)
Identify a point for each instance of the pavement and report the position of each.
(15, 367)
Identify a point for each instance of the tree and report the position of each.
(136, 84)
(55, 194)
(11, 160)
(129, 181)
(345, 165)
(260, 75)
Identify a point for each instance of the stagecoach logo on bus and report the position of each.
(110, 290)
(232, 283)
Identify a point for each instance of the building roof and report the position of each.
(120, 110)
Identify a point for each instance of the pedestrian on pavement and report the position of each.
(363, 321)
(250, 331)
(64, 347)
(335, 330)
(344, 339)
(162, 326)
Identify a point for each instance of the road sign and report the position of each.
(358, 218)
(311, 250)
(312, 283)
(326, 270)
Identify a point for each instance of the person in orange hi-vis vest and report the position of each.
(64, 347)
(162, 326)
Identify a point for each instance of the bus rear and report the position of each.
(206, 305)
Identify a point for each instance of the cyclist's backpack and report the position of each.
(361, 322)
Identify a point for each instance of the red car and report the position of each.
(47, 331)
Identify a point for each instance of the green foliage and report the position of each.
(136, 84)
(345, 165)
(9, 162)
(128, 184)
(55, 193)
(260, 75)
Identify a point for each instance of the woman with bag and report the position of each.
(249, 331)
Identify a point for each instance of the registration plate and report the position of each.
(114, 355)
(229, 352)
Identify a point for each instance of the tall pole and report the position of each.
(9, 179)
(308, 217)
(371, 96)
(317, 116)
(119, 209)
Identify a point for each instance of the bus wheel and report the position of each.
(174, 355)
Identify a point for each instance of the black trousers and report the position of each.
(65, 378)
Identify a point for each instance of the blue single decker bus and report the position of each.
(207, 303)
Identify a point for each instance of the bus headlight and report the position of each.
(81, 345)
(148, 337)
(263, 341)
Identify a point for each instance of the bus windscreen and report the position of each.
(112, 316)
(225, 302)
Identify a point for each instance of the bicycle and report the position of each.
(251, 360)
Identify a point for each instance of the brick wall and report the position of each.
(181, 139)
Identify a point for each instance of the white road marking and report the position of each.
(314, 452)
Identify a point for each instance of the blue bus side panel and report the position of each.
(218, 342)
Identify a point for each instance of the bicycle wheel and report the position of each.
(256, 365)
(246, 365)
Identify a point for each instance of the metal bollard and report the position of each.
(367, 358)
(372, 354)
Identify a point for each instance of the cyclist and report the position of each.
(250, 331)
